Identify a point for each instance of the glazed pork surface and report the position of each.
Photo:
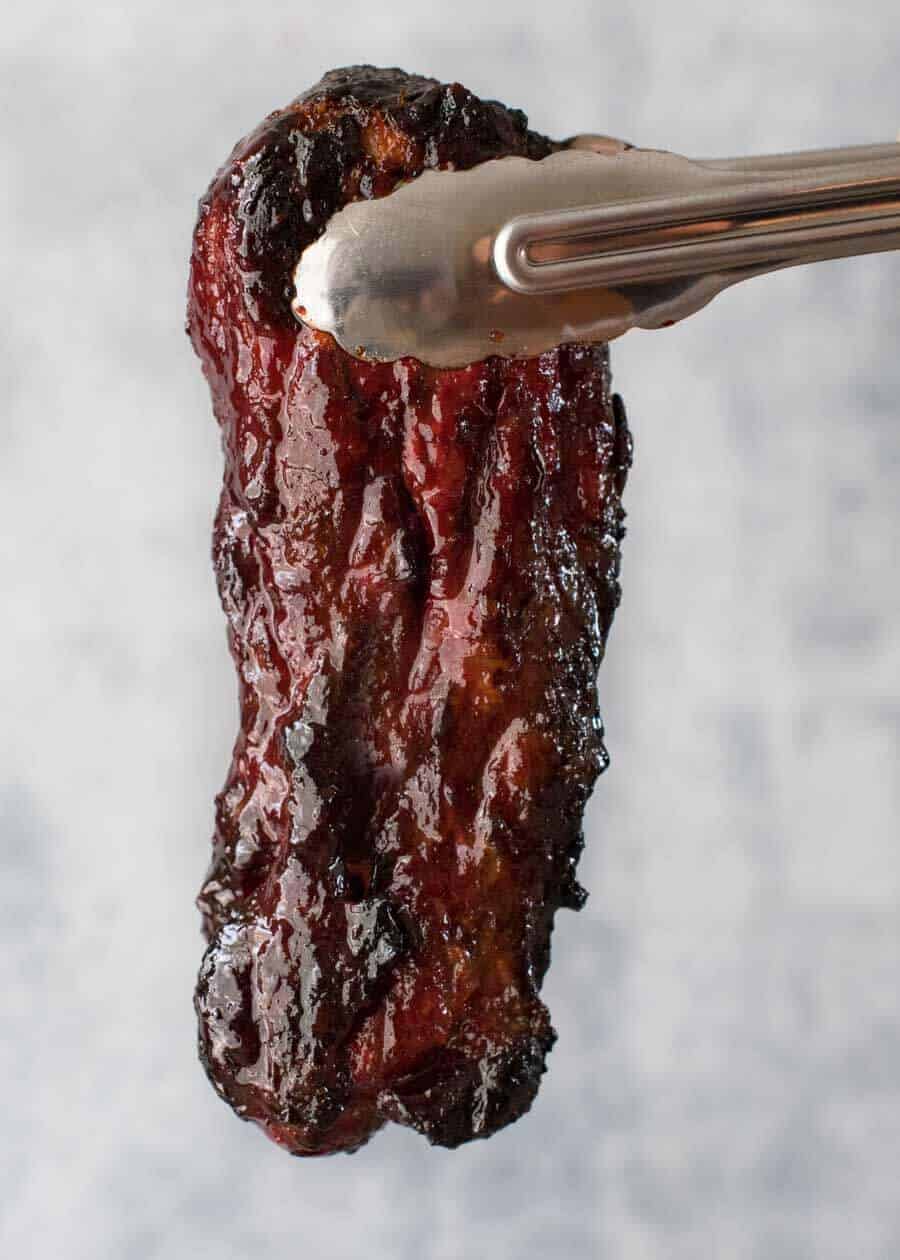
(419, 568)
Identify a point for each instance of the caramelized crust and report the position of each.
(419, 570)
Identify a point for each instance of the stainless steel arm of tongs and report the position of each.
(772, 212)
(517, 256)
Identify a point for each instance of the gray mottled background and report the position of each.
(727, 1078)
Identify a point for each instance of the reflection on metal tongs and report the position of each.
(517, 256)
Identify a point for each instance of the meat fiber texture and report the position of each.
(419, 569)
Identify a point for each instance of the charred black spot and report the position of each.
(452, 1099)
(293, 181)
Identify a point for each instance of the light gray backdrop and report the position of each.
(727, 1077)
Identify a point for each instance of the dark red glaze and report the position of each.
(419, 569)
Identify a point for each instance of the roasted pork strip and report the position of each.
(419, 569)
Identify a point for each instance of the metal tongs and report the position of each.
(516, 256)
